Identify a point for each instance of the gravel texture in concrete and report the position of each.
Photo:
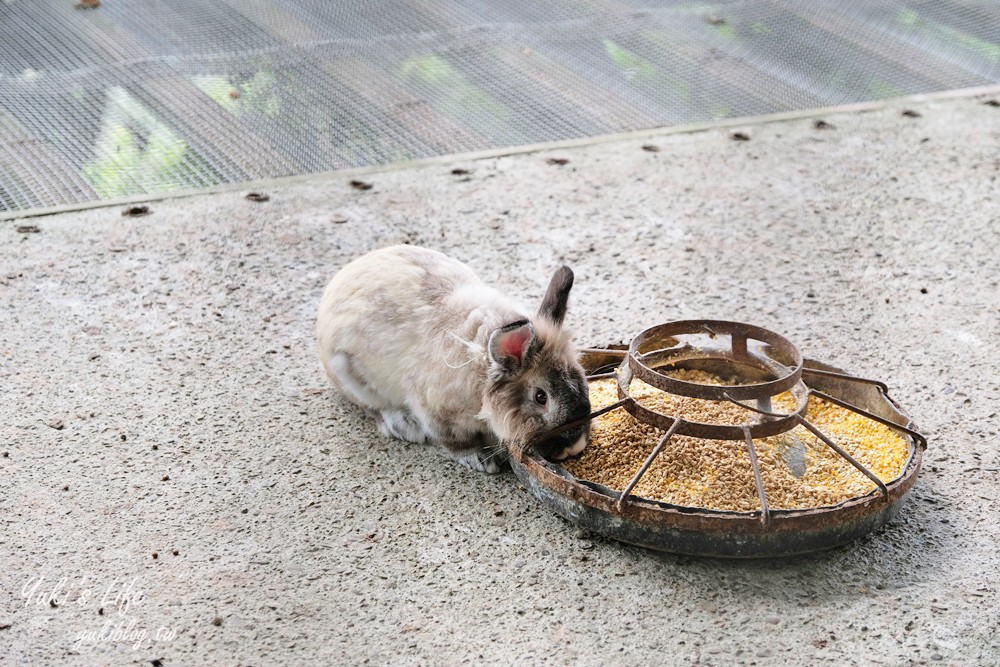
(178, 483)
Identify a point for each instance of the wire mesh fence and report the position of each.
(148, 96)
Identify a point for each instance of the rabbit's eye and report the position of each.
(541, 397)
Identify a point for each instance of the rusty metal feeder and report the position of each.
(767, 365)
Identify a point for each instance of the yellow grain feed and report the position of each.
(798, 469)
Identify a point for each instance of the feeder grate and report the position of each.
(758, 365)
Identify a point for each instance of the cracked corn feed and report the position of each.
(716, 474)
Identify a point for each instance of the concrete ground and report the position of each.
(180, 486)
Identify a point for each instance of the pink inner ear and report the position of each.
(514, 345)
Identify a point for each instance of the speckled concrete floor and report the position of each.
(173, 467)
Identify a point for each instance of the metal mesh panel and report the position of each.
(148, 96)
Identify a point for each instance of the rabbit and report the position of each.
(435, 355)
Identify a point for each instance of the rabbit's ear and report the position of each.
(510, 347)
(554, 302)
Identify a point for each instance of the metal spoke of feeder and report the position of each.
(870, 415)
(649, 461)
(578, 421)
(802, 421)
(850, 459)
(765, 513)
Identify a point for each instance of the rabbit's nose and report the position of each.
(574, 449)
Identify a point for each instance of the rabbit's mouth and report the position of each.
(573, 450)
(565, 445)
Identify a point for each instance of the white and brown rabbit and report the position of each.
(434, 354)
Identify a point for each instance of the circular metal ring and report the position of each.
(758, 428)
(772, 353)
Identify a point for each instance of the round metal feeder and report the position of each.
(767, 365)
